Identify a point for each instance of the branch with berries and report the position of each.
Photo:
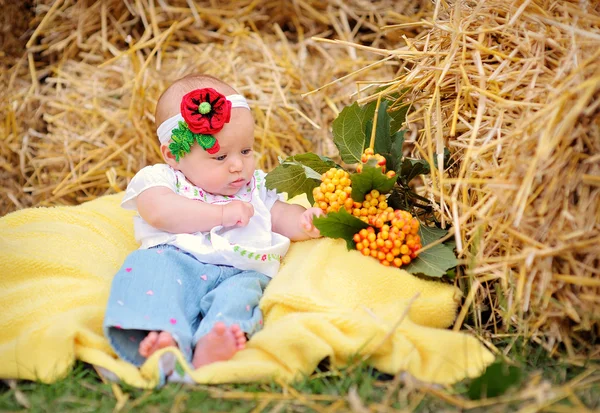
(371, 203)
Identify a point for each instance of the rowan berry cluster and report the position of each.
(373, 206)
(381, 162)
(334, 191)
(393, 241)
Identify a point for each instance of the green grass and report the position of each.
(546, 384)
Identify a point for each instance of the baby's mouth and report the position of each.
(238, 182)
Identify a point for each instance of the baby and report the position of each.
(212, 235)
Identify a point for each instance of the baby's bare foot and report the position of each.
(155, 341)
(220, 344)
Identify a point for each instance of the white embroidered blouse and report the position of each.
(253, 247)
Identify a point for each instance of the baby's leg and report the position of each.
(230, 311)
(154, 303)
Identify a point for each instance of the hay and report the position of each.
(79, 103)
(513, 89)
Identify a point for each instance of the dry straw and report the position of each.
(510, 87)
(513, 89)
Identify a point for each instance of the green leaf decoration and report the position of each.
(413, 167)
(433, 262)
(430, 234)
(349, 131)
(292, 178)
(370, 178)
(497, 378)
(206, 141)
(340, 225)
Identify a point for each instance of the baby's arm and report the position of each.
(164, 209)
(294, 221)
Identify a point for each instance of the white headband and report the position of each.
(165, 129)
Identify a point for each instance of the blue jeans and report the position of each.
(165, 289)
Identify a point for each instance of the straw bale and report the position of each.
(79, 102)
(512, 88)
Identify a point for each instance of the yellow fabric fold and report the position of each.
(56, 266)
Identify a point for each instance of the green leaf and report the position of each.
(370, 178)
(340, 225)
(383, 141)
(349, 131)
(430, 234)
(413, 167)
(433, 262)
(292, 178)
(395, 157)
(496, 379)
(398, 116)
(312, 161)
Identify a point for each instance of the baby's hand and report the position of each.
(237, 213)
(306, 222)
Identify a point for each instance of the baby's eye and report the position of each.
(246, 151)
(221, 158)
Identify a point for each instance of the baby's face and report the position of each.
(230, 169)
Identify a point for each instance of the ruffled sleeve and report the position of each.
(268, 196)
(148, 177)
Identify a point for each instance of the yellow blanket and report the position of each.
(56, 265)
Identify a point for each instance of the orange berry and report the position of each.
(384, 234)
(386, 263)
(363, 233)
(404, 250)
(389, 257)
(371, 229)
(406, 259)
(410, 243)
(388, 244)
(365, 242)
(397, 262)
(373, 245)
(374, 254)
(359, 246)
(356, 212)
(356, 238)
(380, 242)
(381, 255)
(395, 252)
(366, 252)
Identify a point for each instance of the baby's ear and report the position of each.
(168, 156)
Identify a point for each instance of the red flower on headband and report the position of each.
(205, 110)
